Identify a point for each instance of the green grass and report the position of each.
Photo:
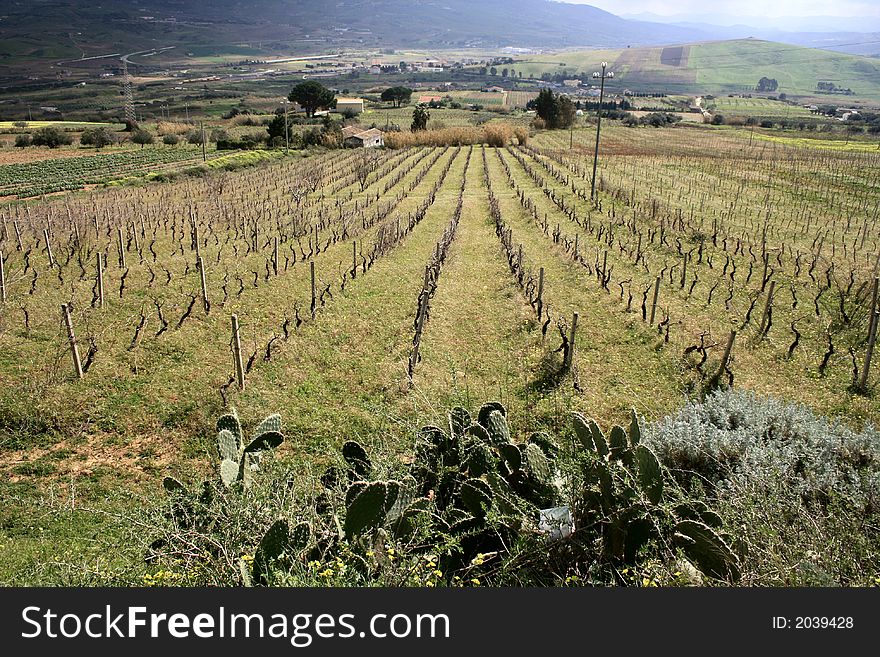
(64, 125)
(65, 174)
(723, 67)
(738, 65)
(755, 107)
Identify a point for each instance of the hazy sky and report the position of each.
(845, 8)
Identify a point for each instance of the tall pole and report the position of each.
(598, 128)
(204, 146)
(286, 131)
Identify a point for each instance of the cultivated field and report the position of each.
(722, 67)
(374, 290)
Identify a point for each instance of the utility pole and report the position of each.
(286, 130)
(601, 76)
(129, 98)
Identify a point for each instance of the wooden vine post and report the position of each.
(121, 248)
(49, 248)
(205, 302)
(654, 302)
(314, 306)
(71, 338)
(236, 353)
(275, 256)
(100, 281)
(420, 323)
(569, 354)
(767, 306)
(2, 279)
(872, 337)
(727, 350)
(354, 258)
(540, 292)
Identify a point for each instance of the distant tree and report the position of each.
(504, 72)
(483, 70)
(493, 71)
(218, 134)
(142, 137)
(403, 66)
(171, 139)
(566, 113)
(519, 73)
(97, 137)
(312, 96)
(546, 107)
(397, 95)
(194, 137)
(767, 85)
(718, 119)
(52, 137)
(276, 127)
(331, 133)
(23, 140)
(420, 119)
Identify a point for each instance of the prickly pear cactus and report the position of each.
(367, 504)
(237, 461)
(707, 549)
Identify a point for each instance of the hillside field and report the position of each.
(723, 67)
(763, 245)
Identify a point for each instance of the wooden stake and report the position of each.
(354, 259)
(314, 298)
(767, 307)
(726, 358)
(2, 279)
(569, 356)
(74, 350)
(100, 281)
(121, 248)
(49, 248)
(872, 338)
(18, 235)
(205, 301)
(540, 292)
(236, 353)
(654, 302)
(420, 323)
(197, 245)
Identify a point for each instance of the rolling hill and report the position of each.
(723, 67)
(48, 28)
